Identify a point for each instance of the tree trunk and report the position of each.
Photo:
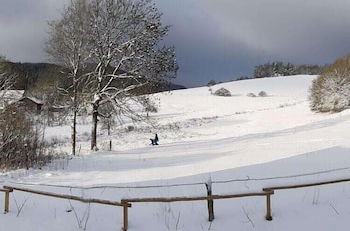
(109, 134)
(94, 126)
(75, 110)
(74, 132)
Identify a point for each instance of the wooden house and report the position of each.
(31, 104)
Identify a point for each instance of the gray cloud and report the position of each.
(309, 29)
(243, 33)
(23, 28)
(217, 39)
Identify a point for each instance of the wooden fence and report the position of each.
(8, 189)
(209, 199)
(127, 203)
(286, 187)
(63, 196)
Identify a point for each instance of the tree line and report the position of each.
(278, 68)
(40, 79)
(275, 69)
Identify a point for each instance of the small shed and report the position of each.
(57, 108)
(31, 104)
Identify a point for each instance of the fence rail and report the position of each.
(210, 200)
(179, 199)
(127, 203)
(63, 196)
(306, 185)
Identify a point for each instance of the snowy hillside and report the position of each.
(242, 143)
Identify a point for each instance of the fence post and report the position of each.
(210, 201)
(268, 205)
(7, 200)
(125, 215)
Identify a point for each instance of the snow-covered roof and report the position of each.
(11, 96)
(35, 100)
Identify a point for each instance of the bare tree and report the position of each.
(7, 79)
(119, 39)
(21, 140)
(68, 46)
(124, 38)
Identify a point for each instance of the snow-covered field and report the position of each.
(242, 143)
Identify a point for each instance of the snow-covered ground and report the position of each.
(242, 143)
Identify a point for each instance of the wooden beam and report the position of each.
(7, 201)
(305, 185)
(268, 207)
(210, 202)
(125, 215)
(68, 197)
(5, 190)
(178, 199)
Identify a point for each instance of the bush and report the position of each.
(21, 144)
(330, 92)
(148, 104)
(130, 128)
(251, 95)
(211, 83)
(262, 94)
(222, 92)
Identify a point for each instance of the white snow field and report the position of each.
(240, 143)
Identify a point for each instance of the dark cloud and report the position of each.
(298, 29)
(230, 37)
(218, 39)
(23, 28)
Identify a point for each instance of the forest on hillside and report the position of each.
(38, 77)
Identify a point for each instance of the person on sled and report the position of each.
(155, 140)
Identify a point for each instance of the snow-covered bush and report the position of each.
(251, 94)
(222, 92)
(151, 107)
(330, 92)
(21, 142)
(130, 128)
(262, 94)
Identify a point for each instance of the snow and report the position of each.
(35, 100)
(10, 96)
(240, 143)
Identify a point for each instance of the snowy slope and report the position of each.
(204, 136)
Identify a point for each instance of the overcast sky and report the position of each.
(214, 39)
